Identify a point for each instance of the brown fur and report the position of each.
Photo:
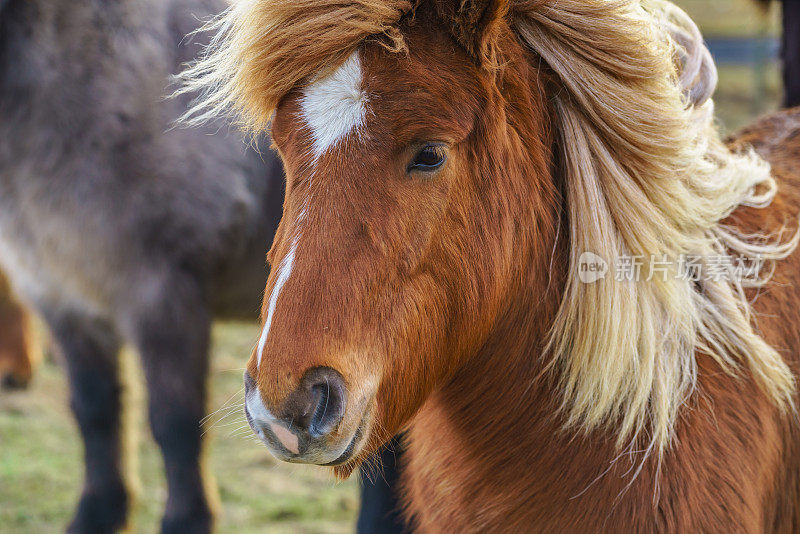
(734, 465)
(434, 297)
(19, 353)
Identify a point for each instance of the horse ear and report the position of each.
(475, 23)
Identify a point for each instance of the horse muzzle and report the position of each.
(310, 426)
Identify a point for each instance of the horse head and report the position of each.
(448, 162)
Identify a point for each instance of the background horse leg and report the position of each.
(172, 336)
(381, 509)
(90, 351)
(19, 352)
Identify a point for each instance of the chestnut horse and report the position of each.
(450, 164)
(19, 352)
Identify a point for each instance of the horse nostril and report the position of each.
(12, 382)
(318, 404)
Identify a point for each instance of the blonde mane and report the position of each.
(645, 170)
(647, 175)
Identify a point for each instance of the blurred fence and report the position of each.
(758, 54)
(744, 50)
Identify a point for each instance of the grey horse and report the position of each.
(119, 229)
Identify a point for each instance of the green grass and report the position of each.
(41, 466)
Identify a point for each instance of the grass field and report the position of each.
(41, 466)
(40, 452)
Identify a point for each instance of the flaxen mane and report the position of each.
(647, 175)
(645, 170)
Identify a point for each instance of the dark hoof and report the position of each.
(11, 382)
(100, 513)
(196, 523)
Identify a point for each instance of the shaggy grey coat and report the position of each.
(117, 228)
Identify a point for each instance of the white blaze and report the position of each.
(335, 105)
(284, 271)
(332, 107)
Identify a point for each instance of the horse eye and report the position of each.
(428, 159)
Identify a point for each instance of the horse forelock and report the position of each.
(264, 49)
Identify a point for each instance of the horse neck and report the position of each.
(496, 435)
(502, 408)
